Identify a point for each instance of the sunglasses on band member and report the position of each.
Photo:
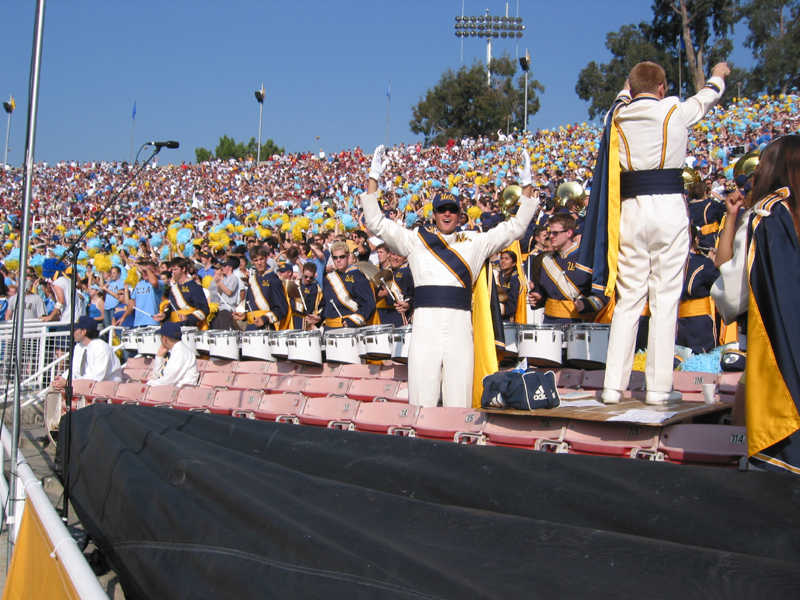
(448, 207)
(340, 257)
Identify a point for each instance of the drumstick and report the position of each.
(336, 308)
(143, 312)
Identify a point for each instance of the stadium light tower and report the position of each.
(260, 99)
(489, 27)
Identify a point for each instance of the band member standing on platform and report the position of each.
(444, 264)
(653, 226)
(349, 300)
(265, 302)
(187, 303)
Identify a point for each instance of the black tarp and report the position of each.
(189, 505)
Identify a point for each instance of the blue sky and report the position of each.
(192, 67)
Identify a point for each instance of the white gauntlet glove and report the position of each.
(379, 163)
(525, 177)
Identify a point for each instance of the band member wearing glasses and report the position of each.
(444, 264)
(348, 297)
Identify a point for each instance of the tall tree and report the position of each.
(228, 148)
(462, 104)
(702, 25)
(775, 39)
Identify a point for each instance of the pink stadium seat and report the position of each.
(129, 393)
(223, 365)
(217, 379)
(567, 378)
(227, 401)
(81, 388)
(463, 425)
(360, 371)
(201, 364)
(195, 398)
(367, 390)
(287, 384)
(393, 418)
(139, 362)
(687, 381)
(326, 386)
(252, 366)
(704, 444)
(728, 382)
(613, 439)
(637, 380)
(250, 381)
(102, 391)
(593, 380)
(283, 368)
(331, 412)
(283, 408)
(136, 374)
(541, 433)
(396, 372)
(324, 370)
(160, 395)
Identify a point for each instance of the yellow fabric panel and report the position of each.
(483, 337)
(605, 315)
(696, 307)
(33, 575)
(173, 318)
(561, 309)
(710, 228)
(729, 333)
(614, 210)
(334, 322)
(255, 314)
(770, 413)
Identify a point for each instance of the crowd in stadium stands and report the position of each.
(297, 205)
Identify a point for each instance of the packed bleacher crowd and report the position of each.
(298, 205)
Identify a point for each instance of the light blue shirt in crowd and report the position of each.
(147, 299)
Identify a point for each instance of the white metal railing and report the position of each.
(65, 549)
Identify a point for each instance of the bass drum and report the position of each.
(341, 346)
(587, 345)
(305, 347)
(255, 344)
(541, 344)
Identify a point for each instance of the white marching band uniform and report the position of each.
(654, 233)
(441, 357)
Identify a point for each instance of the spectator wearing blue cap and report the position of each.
(175, 363)
(94, 359)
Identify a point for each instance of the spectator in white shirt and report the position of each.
(94, 359)
(175, 363)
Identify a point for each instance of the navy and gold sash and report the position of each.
(447, 256)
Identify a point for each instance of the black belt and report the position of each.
(442, 296)
(648, 183)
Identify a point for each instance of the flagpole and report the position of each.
(388, 103)
(5, 152)
(133, 128)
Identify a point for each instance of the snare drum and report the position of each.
(540, 344)
(305, 347)
(376, 341)
(341, 346)
(255, 344)
(201, 341)
(587, 345)
(224, 344)
(148, 340)
(278, 344)
(189, 337)
(510, 332)
(401, 342)
(128, 338)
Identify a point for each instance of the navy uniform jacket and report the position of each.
(558, 308)
(194, 296)
(352, 295)
(405, 281)
(510, 284)
(697, 331)
(706, 213)
(312, 296)
(271, 288)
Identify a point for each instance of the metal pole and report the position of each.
(388, 103)
(5, 153)
(133, 128)
(462, 39)
(489, 61)
(260, 117)
(30, 147)
(680, 60)
(525, 124)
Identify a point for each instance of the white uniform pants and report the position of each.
(441, 358)
(654, 247)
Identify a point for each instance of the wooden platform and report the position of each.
(685, 411)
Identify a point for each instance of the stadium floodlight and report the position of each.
(489, 27)
(260, 99)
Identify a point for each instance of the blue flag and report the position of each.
(389, 90)
(134, 110)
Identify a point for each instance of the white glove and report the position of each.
(379, 163)
(525, 177)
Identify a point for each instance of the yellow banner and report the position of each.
(483, 334)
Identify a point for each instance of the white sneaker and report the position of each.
(661, 398)
(611, 396)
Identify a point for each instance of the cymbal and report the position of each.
(367, 268)
(383, 277)
(292, 289)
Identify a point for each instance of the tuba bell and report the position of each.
(508, 198)
(690, 177)
(747, 164)
(571, 190)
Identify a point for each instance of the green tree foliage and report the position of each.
(462, 104)
(775, 39)
(600, 84)
(228, 148)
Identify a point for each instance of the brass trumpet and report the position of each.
(508, 198)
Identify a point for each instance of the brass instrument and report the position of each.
(747, 164)
(367, 268)
(690, 177)
(571, 190)
(508, 198)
